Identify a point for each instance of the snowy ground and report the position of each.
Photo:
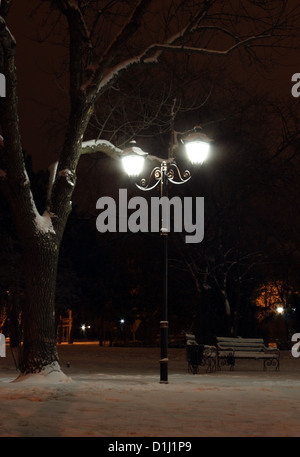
(115, 392)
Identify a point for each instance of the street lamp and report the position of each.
(197, 146)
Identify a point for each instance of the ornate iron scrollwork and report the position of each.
(172, 172)
(271, 362)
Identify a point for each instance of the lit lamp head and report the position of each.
(197, 147)
(133, 159)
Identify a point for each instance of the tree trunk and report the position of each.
(39, 339)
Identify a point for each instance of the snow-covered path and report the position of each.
(115, 392)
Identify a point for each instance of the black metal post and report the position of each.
(164, 312)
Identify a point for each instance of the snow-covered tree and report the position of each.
(106, 40)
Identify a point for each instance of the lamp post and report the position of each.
(197, 147)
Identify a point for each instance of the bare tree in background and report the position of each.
(106, 40)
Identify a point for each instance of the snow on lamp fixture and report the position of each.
(197, 147)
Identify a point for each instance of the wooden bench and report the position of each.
(231, 349)
(199, 355)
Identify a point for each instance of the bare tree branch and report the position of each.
(108, 148)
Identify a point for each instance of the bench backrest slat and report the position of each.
(245, 340)
(242, 344)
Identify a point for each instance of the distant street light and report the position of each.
(280, 309)
(197, 147)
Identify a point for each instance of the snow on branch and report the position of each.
(52, 174)
(69, 176)
(152, 54)
(108, 148)
(43, 223)
(190, 49)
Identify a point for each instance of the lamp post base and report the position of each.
(164, 371)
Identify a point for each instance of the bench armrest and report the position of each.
(272, 350)
(209, 351)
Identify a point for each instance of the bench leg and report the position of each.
(211, 364)
(227, 360)
(271, 363)
(192, 368)
(231, 362)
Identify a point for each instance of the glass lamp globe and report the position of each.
(133, 159)
(133, 164)
(197, 147)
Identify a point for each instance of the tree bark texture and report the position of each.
(39, 338)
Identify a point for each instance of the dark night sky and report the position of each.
(40, 94)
